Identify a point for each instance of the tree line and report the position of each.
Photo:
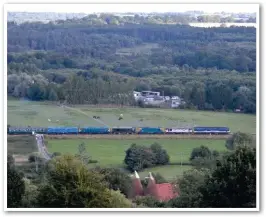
(211, 68)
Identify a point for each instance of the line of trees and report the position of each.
(212, 69)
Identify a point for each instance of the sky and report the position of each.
(123, 8)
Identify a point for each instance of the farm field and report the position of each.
(111, 153)
(25, 113)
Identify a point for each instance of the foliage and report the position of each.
(140, 157)
(71, 185)
(35, 156)
(107, 57)
(158, 178)
(239, 139)
(161, 155)
(200, 152)
(202, 157)
(119, 200)
(82, 153)
(29, 198)
(148, 201)
(15, 185)
(190, 196)
(116, 179)
(233, 183)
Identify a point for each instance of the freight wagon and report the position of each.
(94, 130)
(62, 130)
(123, 130)
(26, 130)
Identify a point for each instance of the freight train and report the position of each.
(116, 130)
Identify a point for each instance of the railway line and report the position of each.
(134, 136)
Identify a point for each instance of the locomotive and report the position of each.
(117, 130)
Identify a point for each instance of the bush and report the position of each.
(34, 156)
(200, 152)
(140, 157)
(239, 139)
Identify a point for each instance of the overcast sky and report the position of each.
(94, 8)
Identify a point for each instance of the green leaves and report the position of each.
(140, 157)
(15, 185)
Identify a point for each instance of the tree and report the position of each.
(148, 201)
(29, 198)
(190, 197)
(119, 200)
(233, 183)
(161, 155)
(15, 185)
(116, 179)
(139, 157)
(71, 185)
(158, 178)
(82, 153)
(239, 139)
(200, 152)
(52, 95)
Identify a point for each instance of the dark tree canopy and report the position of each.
(239, 139)
(233, 183)
(140, 157)
(15, 185)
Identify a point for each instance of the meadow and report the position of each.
(111, 153)
(26, 113)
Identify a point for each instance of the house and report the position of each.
(149, 93)
(137, 95)
(161, 192)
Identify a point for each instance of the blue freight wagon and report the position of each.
(211, 130)
(94, 130)
(150, 130)
(62, 130)
(19, 130)
(123, 130)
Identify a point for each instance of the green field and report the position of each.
(24, 113)
(112, 152)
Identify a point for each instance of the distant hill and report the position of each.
(45, 17)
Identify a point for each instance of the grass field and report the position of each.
(24, 113)
(111, 153)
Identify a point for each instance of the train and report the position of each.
(11, 130)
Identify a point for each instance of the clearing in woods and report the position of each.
(26, 113)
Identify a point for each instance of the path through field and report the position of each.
(79, 111)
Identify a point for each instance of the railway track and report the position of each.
(133, 136)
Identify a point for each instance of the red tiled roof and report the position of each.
(165, 192)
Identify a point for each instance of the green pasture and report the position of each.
(24, 113)
(111, 153)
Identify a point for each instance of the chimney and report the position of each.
(137, 189)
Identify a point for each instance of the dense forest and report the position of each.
(107, 57)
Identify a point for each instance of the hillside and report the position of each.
(62, 59)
